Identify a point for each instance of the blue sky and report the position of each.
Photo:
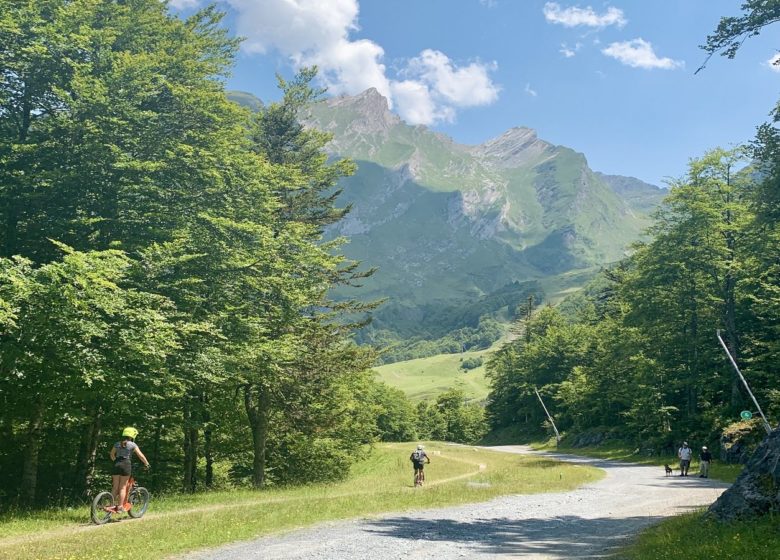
(614, 80)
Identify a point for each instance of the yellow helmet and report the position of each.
(129, 432)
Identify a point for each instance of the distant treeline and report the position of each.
(636, 353)
(162, 264)
(405, 332)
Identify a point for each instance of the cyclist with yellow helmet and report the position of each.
(121, 455)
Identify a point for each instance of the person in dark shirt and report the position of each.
(705, 458)
(418, 458)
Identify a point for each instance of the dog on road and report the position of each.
(668, 470)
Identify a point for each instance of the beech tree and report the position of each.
(177, 240)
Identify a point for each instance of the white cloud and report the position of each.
(351, 67)
(639, 53)
(569, 52)
(529, 91)
(575, 16)
(467, 86)
(489, 3)
(433, 88)
(183, 4)
(430, 87)
(774, 63)
(416, 104)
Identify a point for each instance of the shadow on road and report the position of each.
(564, 536)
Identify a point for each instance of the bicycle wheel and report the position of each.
(100, 505)
(139, 499)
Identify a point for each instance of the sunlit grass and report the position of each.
(425, 378)
(382, 483)
(693, 537)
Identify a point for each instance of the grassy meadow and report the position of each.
(381, 483)
(425, 378)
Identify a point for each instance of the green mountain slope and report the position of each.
(449, 224)
(463, 235)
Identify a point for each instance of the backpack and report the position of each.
(418, 456)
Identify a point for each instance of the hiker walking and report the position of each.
(685, 453)
(705, 458)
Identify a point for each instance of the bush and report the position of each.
(471, 363)
(308, 460)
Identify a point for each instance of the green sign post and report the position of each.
(746, 415)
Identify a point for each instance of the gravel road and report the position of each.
(585, 523)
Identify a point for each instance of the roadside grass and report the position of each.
(693, 537)
(426, 378)
(381, 483)
(620, 451)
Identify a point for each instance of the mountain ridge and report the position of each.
(450, 224)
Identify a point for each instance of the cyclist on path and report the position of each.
(121, 455)
(419, 458)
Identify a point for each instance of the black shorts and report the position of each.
(419, 466)
(122, 468)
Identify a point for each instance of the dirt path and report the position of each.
(585, 523)
(7, 543)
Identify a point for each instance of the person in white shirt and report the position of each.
(684, 453)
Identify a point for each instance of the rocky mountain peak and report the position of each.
(514, 147)
(371, 109)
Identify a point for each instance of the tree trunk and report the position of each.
(10, 241)
(190, 446)
(729, 292)
(693, 382)
(85, 464)
(730, 323)
(29, 481)
(155, 456)
(11, 234)
(207, 447)
(257, 402)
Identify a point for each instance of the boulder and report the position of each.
(757, 490)
(590, 438)
(739, 440)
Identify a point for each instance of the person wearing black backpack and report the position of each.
(419, 458)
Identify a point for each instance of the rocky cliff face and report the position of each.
(757, 490)
(447, 221)
(517, 147)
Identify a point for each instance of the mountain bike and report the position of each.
(419, 476)
(136, 504)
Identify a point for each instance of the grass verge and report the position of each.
(620, 451)
(382, 483)
(692, 537)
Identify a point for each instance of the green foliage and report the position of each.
(162, 263)
(733, 31)
(406, 332)
(471, 363)
(636, 350)
(450, 418)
